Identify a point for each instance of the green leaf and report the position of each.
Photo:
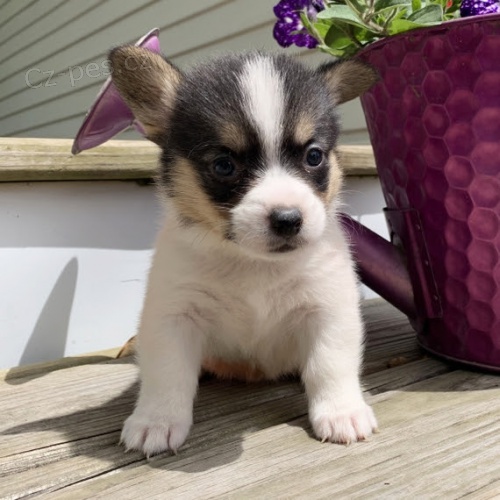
(402, 25)
(347, 25)
(332, 52)
(381, 5)
(341, 13)
(454, 8)
(401, 14)
(311, 28)
(337, 38)
(322, 28)
(432, 14)
(358, 7)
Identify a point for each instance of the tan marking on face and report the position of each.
(335, 178)
(192, 202)
(304, 130)
(233, 137)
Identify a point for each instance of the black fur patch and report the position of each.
(306, 95)
(209, 98)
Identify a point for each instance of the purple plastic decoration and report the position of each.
(109, 115)
(434, 123)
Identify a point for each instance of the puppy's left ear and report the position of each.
(148, 83)
(347, 79)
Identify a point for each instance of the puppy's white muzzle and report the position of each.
(281, 213)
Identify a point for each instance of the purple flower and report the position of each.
(289, 28)
(478, 7)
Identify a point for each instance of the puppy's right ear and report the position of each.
(148, 84)
(347, 79)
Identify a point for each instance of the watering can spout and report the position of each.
(380, 265)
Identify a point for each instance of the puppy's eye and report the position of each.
(314, 157)
(224, 167)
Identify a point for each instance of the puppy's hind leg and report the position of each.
(169, 353)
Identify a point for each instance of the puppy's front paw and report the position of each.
(153, 433)
(346, 425)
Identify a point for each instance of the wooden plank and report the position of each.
(281, 460)
(51, 434)
(50, 159)
(390, 340)
(76, 380)
(27, 372)
(440, 434)
(488, 492)
(235, 407)
(425, 456)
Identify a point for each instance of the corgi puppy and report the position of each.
(251, 267)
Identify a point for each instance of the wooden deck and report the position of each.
(27, 159)
(439, 433)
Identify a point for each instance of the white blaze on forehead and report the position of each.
(264, 100)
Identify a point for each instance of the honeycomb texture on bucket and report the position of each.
(434, 123)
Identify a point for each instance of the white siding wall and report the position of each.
(67, 40)
(74, 258)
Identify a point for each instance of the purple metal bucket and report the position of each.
(434, 123)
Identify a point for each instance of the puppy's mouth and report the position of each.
(288, 246)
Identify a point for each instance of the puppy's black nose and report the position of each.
(286, 221)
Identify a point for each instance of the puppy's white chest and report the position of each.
(262, 308)
(254, 321)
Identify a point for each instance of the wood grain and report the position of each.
(51, 160)
(439, 433)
